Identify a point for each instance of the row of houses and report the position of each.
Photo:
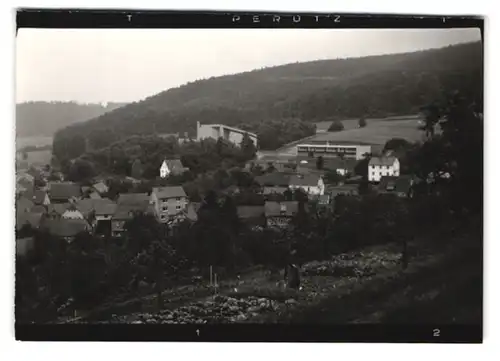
(279, 182)
(378, 166)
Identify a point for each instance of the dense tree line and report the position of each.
(142, 156)
(45, 118)
(374, 86)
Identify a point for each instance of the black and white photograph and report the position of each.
(249, 177)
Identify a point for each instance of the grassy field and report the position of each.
(353, 123)
(377, 132)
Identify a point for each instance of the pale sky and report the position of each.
(101, 65)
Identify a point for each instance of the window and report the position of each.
(164, 209)
(178, 207)
(162, 217)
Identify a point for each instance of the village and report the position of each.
(46, 201)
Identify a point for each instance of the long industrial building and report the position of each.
(216, 131)
(353, 151)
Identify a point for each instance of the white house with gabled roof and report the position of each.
(171, 166)
(379, 167)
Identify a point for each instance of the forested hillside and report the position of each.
(375, 86)
(45, 118)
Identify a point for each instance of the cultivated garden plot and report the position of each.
(254, 298)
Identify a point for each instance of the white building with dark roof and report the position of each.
(216, 131)
(329, 149)
(379, 167)
(171, 166)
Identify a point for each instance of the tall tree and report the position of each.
(336, 126)
(248, 147)
(362, 122)
(320, 162)
(136, 170)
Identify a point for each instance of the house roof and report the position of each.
(64, 190)
(21, 189)
(34, 172)
(324, 199)
(343, 189)
(273, 179)
(308, 180)
(287, 208)
(85, 206)
(382, 161)
(246, 212)
(173, 164)
(105, 208)
(169, 192)
(273, 190)
(337, 163)
(126, 211)
(133, 198)
(66, 227)
(400, 184)
(130, 203)
(38, 209)
(58, 208)
(101, 206)
(29, 218)
(25, 183)
(94, 195)
(231, 189)
(24, 204)
(39, 196)
(100, 187)
(25, 177)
